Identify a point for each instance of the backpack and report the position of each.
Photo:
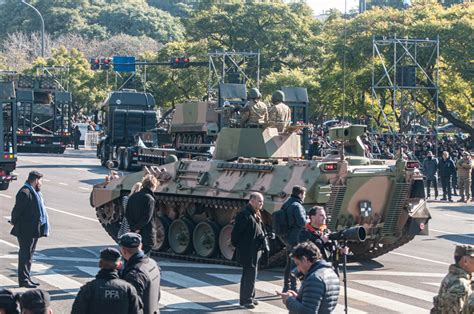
(280, 223)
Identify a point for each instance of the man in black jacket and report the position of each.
(141, 271)
(107, 293)
(320, 288)
(247, 237)
(446, 169)
(30, 222)
(296, 215)
(140, 212)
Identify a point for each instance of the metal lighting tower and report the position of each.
(233, 67)
(405, 75)
(42, 25)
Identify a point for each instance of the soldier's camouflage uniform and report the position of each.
(469, 305)
(279, 116)
(455, 287)
(254, 114)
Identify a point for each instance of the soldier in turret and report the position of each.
(279, 114)
(255, 113)
(456, 286)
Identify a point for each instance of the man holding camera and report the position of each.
(320, 288)
(248, 237)
(317, 232)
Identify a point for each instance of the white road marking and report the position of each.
(195, 265)
(9, 244)
(167, 299)
(83, 188)
(61, 183)
(7, 283)
(434, 284)
(382, 302)
(5, 196)
(454, 216)
(419, 258)
(453, 233)
(71, 214)
(79, 169)
(212, 291)
(395, 273)
(45, 274)
(397, 288)
(270, 288)
(46, 180)
(38, 257)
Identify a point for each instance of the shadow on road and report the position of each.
(459, 238)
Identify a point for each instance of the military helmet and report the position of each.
(254, 93)
(278, 95)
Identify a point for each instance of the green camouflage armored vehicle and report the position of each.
(198, 200)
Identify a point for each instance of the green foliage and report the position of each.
(91, 18)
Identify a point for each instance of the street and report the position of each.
(402, 281)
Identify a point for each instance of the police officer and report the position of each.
(141, 271)
(107, 293)
(35, 301)
(8, 302)
(456, 285)
(279, 114)
(255, 114)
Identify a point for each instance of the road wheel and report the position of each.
(4, 186)
(225, 246)
(180, 235)
(206, 238)
(162, 228)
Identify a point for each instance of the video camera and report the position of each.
(352, 234)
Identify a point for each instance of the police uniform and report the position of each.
(35, 300)
(143, 273)
(255, 113)
(455, 287)
(107, 293)
(279, 116)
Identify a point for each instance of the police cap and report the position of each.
(130, 240)
(36, 300)
(110, 254)
(464, 250)
(8, 301)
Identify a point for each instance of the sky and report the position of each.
(319, 6)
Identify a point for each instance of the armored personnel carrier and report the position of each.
(198, 200)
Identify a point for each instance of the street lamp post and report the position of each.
(42, 26)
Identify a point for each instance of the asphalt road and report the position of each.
(403, 281)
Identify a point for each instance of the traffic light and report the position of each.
(105, 63)
(180, 63)
(95, 64)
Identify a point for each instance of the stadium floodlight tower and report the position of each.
(405, 77)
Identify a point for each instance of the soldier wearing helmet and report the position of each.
(456, 285)
(255, 113)
(279, 114)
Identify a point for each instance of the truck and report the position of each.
(44, 111)
(8, 144)
(127, 118)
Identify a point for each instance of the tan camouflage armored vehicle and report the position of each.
(198, 200)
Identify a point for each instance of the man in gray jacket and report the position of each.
(430, 170)
(320, 288)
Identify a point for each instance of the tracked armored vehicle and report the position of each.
(198, 200)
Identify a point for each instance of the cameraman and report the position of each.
(320, 288)
(317, 232)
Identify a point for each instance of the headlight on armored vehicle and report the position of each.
(328, 167)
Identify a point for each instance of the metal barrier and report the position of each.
(91, 139)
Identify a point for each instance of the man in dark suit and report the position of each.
(30, 222)
(247, 237)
